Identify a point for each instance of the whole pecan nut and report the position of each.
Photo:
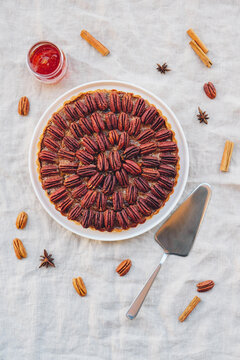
(86, 125)
(150, 174)
(65, 154)
(205, 285)
(115, 160)
(68, 168)
(117, 199)
(55, 132)
(103, 142)
(148, 148)
(122, 177)
(95, 181)
(149, 115)
(97, 123)
(124, 267)
(52, 182)
(167, 146)
(23, 106)
(74, 213)
(115, 102)
(102, 162)
(133, 213)
(134, 127)
(87, 218)
(145, 136)
(167, 170)
(88, 199)
(109, 184)
(87, 170)
(132, 167)
(76, 130)
(158, 123)
(49, 170)
(150, 161)
(84, 157)
(123, 140)
(123, 122)
(131, 152)
(131, 194)
(163, 134)
(71, 112)
(59, 121)
(169, 159)
(79, 286)
(152, 201)
(127, 104)
(210, 90)
(109, 217)
(143, 207)
(64, 205)
(91, 103)
(71, 143)
(165, 183)
(21, 220)
(101, 101)
(81, 108)
(111, 121)
(142, 184)
(98, 220)
(122, 219)
(58, 194)
(139, 107)
(101, 201)
(90, 145)
(51, 144)
(113, 137)
(159, 192)
(19, 249)
(79, 191)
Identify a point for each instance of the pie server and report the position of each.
(176, 236)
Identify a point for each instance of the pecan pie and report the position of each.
(108, 160)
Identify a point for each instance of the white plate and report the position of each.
(141, 228)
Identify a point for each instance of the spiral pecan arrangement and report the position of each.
(108, 160)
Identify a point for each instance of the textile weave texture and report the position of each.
(42, 316)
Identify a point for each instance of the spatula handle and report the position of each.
(137, 303)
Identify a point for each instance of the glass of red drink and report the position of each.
(47, 62)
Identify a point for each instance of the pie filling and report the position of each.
(108, 160)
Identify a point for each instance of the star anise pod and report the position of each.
(46, 259)
(162, 68)
(202, 116)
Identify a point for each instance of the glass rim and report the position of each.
(35, 46)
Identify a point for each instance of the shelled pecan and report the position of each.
(19, 249)
(124, 267)
(23, 106)
(21, 220)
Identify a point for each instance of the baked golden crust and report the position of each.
(108, 160)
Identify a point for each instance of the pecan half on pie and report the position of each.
(108, 160)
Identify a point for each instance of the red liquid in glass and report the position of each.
(45, 59)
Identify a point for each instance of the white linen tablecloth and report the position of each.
(41, 315)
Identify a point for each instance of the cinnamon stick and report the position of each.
(194, 36)
(189, 308)
(203, 57)
(227, 154)
(94, 42)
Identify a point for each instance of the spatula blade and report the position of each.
(176, 236)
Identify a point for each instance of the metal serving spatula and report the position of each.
(176, 236)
